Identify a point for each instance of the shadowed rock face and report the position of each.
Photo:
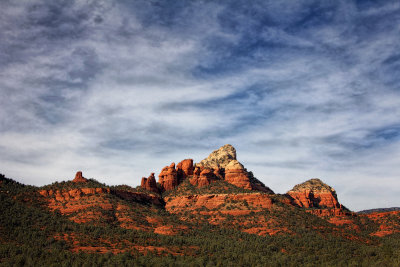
(219, 158)
(314, 194)
(206, 177)
(79, 178)
(149, 183)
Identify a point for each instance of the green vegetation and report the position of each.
(67, 185)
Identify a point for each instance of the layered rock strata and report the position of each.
(314, 194)
(235, 174)
(318, 196)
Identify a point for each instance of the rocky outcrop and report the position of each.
(79, 178)
(221, 164)
(206, 177)
(77, 193)
(247, 201)
(168, 178)
(184, 169)
(236, 174)
(149, 183)
(314, 194)
(219, 158)
(196, 175)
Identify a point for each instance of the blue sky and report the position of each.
(120, 89)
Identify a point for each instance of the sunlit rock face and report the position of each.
(184, 169)
(236, 174)
(219, 158)
(79, 178)
(168, 178)
(314, 194)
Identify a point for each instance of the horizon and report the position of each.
(121, 89)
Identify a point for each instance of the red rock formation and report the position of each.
(184, 169)
(206, 177)
(143, 182)
(314, 194)
(225, 167)
(73, 193)
(388, 221)
(168, 178)
(196, 175)
(79, 178)
(212, 201)
(149, 183)
(186, 166)
(236, 174)
(319, 196)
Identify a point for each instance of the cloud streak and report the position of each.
(120, 89)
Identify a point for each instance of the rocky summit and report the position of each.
(316, 194)
(219, 158)
(213, 213)
(79, 178)
(221, 164)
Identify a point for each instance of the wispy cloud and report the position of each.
(120, 89)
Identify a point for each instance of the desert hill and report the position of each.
(213, 213)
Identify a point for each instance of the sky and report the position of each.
(120, 89)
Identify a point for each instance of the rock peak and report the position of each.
(220, 158)
(314, 184)
(314, 193)
(79, 178)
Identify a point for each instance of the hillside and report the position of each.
(378, 210)
(212, 213)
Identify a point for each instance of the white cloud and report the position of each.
(119, 97)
